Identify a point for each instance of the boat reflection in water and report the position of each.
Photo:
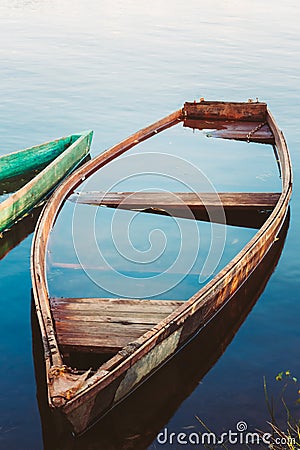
(135, 423)
(12, 237)
(18, 232)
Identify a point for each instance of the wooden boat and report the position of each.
(137, 351)
(34, 172)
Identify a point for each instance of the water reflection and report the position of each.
(19, 231)
(12, 237)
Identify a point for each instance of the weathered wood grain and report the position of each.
(251, 112)
(178, 200)
(104, 325)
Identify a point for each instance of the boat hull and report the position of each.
(136, 362)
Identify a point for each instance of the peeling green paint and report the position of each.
(62, 156)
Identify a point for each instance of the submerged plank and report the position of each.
(105, 325)
(145, 199)
(237, 130)
(248, 209)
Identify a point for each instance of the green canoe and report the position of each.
(44, 166)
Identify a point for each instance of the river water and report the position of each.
(67, 66)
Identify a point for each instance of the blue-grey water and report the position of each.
(66, 66)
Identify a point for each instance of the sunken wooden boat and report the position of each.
(138, 347)
(29, 175)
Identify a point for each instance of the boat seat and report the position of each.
(245, 209)
(105, 325)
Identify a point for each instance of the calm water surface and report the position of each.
(114, 68)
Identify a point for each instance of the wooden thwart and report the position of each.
(194, 201)
(240, 208)
(105, 325)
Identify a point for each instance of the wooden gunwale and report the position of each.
(202, 301)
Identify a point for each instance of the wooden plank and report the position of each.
(251, 111)
(105, 325)
(97, 338)
(113, 305)
(247, 209)
(174, 200)
(236, 130)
